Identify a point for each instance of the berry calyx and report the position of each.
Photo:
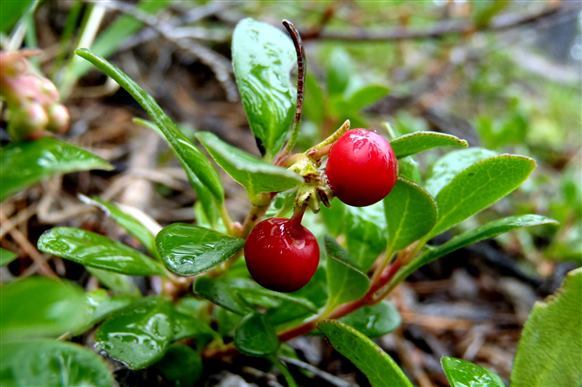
(361, 168)
(281, 254)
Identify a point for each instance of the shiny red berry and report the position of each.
(361, 168)
(281, 254)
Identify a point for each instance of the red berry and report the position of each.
(281, 254)
(361, 168)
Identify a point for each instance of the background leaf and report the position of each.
(549, 350)
(410, 214)
(189, 250)
(366, 96)
(37, 307)
(345, 282)
(98, 251)
(478, 187)
(26, 163)
(6, 256)
(374, 320)
(262, 59)
(118, 283)
(139, 334)
(255, 175)
(187, 153)
(255, 336)
(181, 365)
(378, 367)
(365, 230)
(461, 373)
(417, 142)
(51, 363)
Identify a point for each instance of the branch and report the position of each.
(440, 30)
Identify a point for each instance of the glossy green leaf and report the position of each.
(181, 365)
(262, 59)
(6, 256)
(139, 334)
(94, 250)
(187, 153)
(462, 373)
(123, 216)
(345, 282)
(378, 367)
(187, 327)
(255, 336)
(188, 250)
(374, 320)
(118, 283)
(26, 163)
(550, 347)
(366, 96)
(220, 292)
(51, 363)
(410, 214)
(478, 187)
(255, 175)
(365, 230)
(450, 165)
(417, 142)
(487, 231)
(102, 305)
(261, 296)
(37, 307)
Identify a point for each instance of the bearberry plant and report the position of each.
(330, 232)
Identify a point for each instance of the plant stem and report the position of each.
(227, 220)
(318, 151)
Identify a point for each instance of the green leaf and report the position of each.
(6, 256)
(340, 70)
(139, 334)
(487, 231)
(190, 250)
(462, 373)
(366, 96)
(365, 230)
(410, 214)
(345, 282)
(262, 297)
(101, 306)
(118, 283)
(314, 107)
(11, 12)
(26, 163)
(478, 187)
(219, 292)
(375, 320)
(186, 327)
(125, 219)
(450, 165)
(51, 363)
(549, 350)
(38, 307)
(417, 142)
(262, 59)
(408, 169)
(255, 336)
(187, 153)
(378, 367)
(255, 175)
(94, 250)
(181, 365)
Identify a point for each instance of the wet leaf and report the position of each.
(51, 363)
(255, 336)
(417, 142)
(462, 373)
(262, 59)
(26, 163)
(40, 307)
(410, 214)
(221, 293)
(548, 353)
(186, 152)
(98, 251)
(255, 175)
(189, 250)
(374, 320)
(378, 367)
(139, 334)
(345, 282)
